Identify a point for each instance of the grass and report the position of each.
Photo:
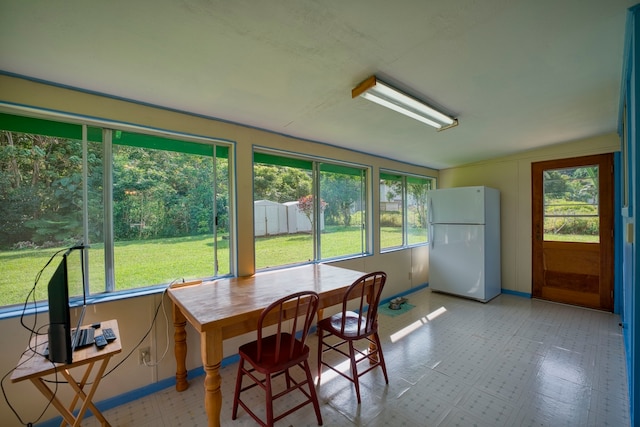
(579, 238)
(141, 263)
(137, 264)
(296, 248)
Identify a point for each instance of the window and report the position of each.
(343, 211)
(167, 197)
(403, 217)
(306, 210)
(153, 209)
(571, 200)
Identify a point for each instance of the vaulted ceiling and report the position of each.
(518, 74)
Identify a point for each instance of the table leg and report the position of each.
(87, 398)
(67, 414)
(180, 348)
(81, 384)
(320, 316)
(48, 394)
(211, 360)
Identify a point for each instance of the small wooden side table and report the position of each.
(32, 366)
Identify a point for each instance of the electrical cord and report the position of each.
(155, 316)
(166, 320)
(160, 304)
(32, 332)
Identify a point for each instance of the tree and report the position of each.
(419, 194)
(342, 192)
(40, 196)
(306, 205)
(280, 183)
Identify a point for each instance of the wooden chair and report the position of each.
(274, 355)
(350, 326)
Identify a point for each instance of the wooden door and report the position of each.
(572, 203)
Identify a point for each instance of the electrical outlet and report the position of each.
(144, 356)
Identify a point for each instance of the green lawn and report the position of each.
(150, 262)
(138, 263)
(580, 238)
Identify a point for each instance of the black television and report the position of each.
(61, 342)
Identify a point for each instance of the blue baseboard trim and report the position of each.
(404, 293)
(516, 293)
(112, 402)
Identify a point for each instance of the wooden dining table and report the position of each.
(228, 307)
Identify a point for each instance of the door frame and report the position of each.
(606, 209)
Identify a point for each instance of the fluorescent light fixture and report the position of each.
(387, 96)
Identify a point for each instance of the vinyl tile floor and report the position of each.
(451, 362)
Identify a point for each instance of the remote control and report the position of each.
(108, 334)
(101, 341)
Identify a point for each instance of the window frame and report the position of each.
(314, 164)
(404, 179)
(35, 121)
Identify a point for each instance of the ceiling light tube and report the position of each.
(389, 97)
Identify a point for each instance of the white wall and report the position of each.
(512, 176)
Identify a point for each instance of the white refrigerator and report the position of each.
(464, 241)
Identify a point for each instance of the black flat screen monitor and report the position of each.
(61, 343)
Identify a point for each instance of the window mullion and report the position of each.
(107, 155)
(215, 212)
(317, 243)
(85, 209)
(365, 212)
(405, 214)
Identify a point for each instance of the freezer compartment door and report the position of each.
(460, 205)
(456, 260)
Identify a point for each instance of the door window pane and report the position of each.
(571, 201)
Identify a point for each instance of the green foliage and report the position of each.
(342, 193)
(41, 195)
(156, 193)
(576, 225)
(280, 183)
(571, 202)
(306, 205)
(571, 217)
(391, 219)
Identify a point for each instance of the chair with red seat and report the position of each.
(274, 355)
(350, 327)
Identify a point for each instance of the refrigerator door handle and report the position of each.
(431, 243)
(430, 222)
(430, 213)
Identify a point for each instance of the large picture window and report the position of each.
(403, 204)
(152, 209)
(306, 210)
(169, 209)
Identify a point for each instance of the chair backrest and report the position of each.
(300, 308)
(366, 291)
